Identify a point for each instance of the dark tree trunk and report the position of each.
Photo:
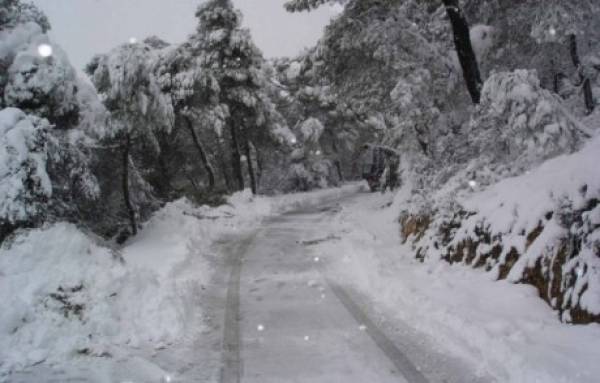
(207, 166)
(253, 183)
(337, 162)
(6, 229)
(464, 49)
(236, 158)
(224, 167)
(555, 78)
(259, 163)
(125, 180)
(588, 95)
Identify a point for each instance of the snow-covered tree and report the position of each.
(46, 125)
(548, 38)
(194, 94)
(45, 86)
(14, 12)
(564, 22)
(26, 187)
(139, 109)
(460, 28)
(229, 56)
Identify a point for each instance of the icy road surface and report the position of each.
(286, 321)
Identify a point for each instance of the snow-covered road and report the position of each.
(313, 287)
(286, 321)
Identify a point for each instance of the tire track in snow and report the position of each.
(231, 369)
(394, 354)
(386, 345)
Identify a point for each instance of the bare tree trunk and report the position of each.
(464, 49)
(253, 184)
(259, 163)
(588, 95)
(207, 166)
(337, 162)
(223, 166)
(125, 180)
(236, 160)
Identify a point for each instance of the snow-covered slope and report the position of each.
(540, 228)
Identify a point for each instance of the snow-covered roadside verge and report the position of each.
(68, 297)
(501, 329)
(540, 228)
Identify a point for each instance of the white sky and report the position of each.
(86, 27)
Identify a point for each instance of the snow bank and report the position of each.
(67, 296)
(59, 291)
(504, 330)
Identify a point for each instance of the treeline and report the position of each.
(200, 120)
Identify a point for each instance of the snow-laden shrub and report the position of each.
(519, 125)
(310, 167)
(311, 130)
(25, 187)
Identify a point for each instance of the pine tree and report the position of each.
(194, 95)
(139, 111)
(458, 21)
(230, 57)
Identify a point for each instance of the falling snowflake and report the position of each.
(45, 50)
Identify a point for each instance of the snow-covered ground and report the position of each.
(503, 330)
(74, 305)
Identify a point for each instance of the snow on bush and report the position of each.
(25, 186)
(311, 130)
(518, 125)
